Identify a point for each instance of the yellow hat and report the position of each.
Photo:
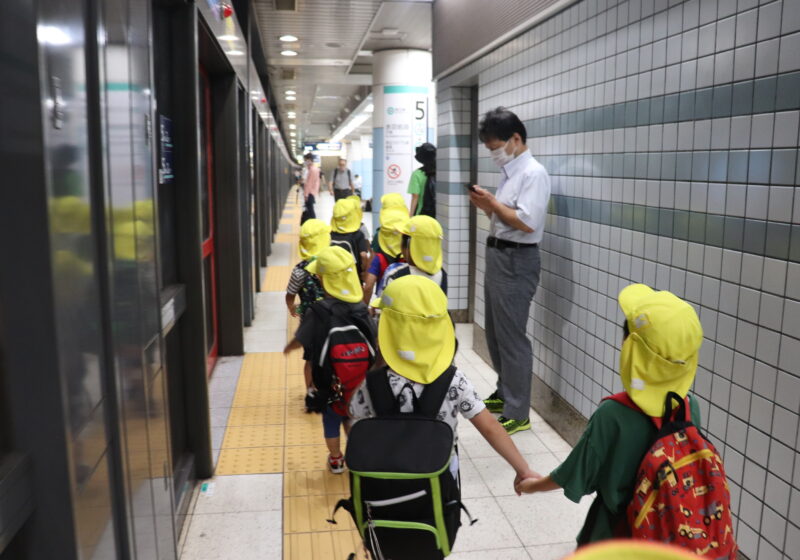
(390, 239)
(393, 200)
(357, 204)
(416, 335)
(337, 269)
(315, 235)
(660, 354)
(346, 218)
(426, 242)
(631, 550)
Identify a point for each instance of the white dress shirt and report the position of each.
(525, 187)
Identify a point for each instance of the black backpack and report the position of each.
(311, 290)
(344, 352)
(350, 242)
(405, 501)
(429, 198)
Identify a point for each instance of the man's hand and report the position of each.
(482, 198)
(293, 311)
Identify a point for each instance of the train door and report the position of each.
(207, 209)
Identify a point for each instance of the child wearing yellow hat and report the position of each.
(340, 313)
(389, 249)
(422, 253)
(315, 235)
(346, 231)
(417, 341)
(661, 342)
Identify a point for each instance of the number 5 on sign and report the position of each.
(420, 110)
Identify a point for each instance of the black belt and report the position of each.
(503, 244)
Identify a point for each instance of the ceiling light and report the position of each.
(292, 126)
(369, 108)
(290, 98)
(290, 92)
(52, 35)
(235, 52)
(288, 52)
(288, 38)
(292, 134)
(228, 38)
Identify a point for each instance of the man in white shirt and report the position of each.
(517, 212)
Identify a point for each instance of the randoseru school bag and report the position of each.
(405, 501)
(346, 354)
(681, 495)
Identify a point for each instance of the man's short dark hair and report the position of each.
(501, 124)
(309, 155)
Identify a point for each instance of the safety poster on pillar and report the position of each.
(405, 126)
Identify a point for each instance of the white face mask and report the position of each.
(500, 157)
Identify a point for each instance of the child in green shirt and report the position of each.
(661, 342)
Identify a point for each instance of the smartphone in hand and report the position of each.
(470, 187)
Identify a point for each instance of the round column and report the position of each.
(401, 94)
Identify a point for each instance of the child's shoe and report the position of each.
(336, 464)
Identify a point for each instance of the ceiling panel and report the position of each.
(330, 34)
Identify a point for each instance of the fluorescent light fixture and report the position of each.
(292, 126)
(227, 37)
(288, 52)
(369, 108)
(52, 35)
(288, 38)
(290, 98)
(290, 92)
(235, 52)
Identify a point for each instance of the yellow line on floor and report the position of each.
(269, 432)
(276, 278)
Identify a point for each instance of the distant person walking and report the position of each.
(517, 213)
(422, 184)
(310, 188)
(342, 181)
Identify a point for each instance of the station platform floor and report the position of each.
(272, 492)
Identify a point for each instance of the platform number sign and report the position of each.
(405, 126)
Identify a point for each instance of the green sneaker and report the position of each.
(514, 426)
(494, 403)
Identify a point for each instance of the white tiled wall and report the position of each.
(602, 52)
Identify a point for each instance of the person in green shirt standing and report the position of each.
(661, 343)
(426, 155)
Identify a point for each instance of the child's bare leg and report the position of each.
(334, 446)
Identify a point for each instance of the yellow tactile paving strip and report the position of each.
(269, 432)
(276, 278)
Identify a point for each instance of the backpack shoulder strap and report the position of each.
(430, 402)
(380, 392)
(625, 400)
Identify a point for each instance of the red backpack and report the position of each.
(681, 495)
(346, 354)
